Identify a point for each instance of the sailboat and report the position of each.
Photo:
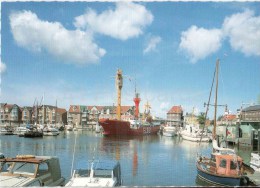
(224, 167)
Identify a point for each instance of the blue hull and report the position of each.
(218, 180)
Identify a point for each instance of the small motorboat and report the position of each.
(97, 174)
(30, 170)
(50, 131)
(255, 161)
(169, 131)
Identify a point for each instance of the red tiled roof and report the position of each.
(61, 110)
(76, 107)
(230, 117)
(175, 110)
(124, 109)
(9, 106)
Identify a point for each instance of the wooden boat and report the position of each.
(97, 174)
(224, 167)
(30, 170)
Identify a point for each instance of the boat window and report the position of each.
(82, 173)
(5, 167)
(43, 169)
(103, 173)
(24, 168)
(233, 165)
(223, 163)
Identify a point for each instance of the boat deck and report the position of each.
(255, 178)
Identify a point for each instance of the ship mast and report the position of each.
(216, 102)
(119, 85)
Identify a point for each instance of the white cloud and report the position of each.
(126, 21)
(198, 43)
(72, 46)
(243, 30)
(151, 45)
(2, 67)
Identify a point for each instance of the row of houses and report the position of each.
(46, 114)
(249, 115)
(80, 115)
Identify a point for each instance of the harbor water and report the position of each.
(152, 160)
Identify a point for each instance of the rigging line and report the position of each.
(223, 87)
(73, 156)
(207, 109)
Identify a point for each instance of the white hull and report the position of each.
(255, 162)
(169, 134)
(195, 138)
(50, 133)
(169, 131)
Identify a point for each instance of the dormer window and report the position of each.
(74, 108)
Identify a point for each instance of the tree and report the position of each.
(201, 118)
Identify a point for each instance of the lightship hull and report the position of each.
(119, 127)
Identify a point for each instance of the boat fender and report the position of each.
(244, 180)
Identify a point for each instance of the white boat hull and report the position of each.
(195, 139)
(255, 162)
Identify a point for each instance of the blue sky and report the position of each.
(70, 51)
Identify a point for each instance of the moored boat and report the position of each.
(224, 167)
(20, 131)
(194, 134)
(255, 161)
(97, 174)
(50, 131)
(169, 131)
(30, 170)
(6, 131)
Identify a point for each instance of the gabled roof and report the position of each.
(61, 110)
(252, 108)
(74, 109)
(125, 109)
(175, 110)
(229, 117)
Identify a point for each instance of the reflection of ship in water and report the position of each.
(135, 162)
(113, 145)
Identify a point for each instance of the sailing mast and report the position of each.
(216, 101)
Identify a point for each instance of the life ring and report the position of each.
(25, 156)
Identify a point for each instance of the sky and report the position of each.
(69, 52)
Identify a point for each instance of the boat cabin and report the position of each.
(229, 165)
(98, 173)
(30, 170)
